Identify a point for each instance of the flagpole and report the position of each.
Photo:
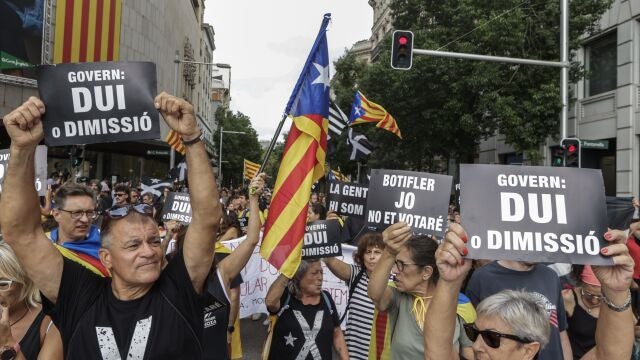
(272, 144)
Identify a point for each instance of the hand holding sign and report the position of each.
(395, 236)
(452, 266)
(24, 124)
(179, 115)
(616, 278)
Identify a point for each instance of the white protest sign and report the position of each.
(40, 164)
(534, 213)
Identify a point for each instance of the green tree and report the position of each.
(236, 147)
(445, 107)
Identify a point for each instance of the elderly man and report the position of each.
(76, 237)
(144, 311)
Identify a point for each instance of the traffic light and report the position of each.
(402, 50)
(557, 156)
(571, 152)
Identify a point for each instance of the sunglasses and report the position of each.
(121, 194)
(591, 297)
(120, 211)
(490, 337)
(5, 285)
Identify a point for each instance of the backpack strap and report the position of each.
(352, 289)
(285, 306)
(326, 301)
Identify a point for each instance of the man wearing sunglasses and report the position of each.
(513, 325)
(143, 311)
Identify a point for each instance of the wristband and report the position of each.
(616, 308)
(192, 141)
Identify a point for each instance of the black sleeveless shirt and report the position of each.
(581, 331)
(30, 343)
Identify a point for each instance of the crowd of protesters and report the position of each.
(90, 271)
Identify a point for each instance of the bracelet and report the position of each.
(192, 141)
(616, 308)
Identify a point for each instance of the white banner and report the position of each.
(258, 275)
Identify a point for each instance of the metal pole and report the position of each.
(172, 152)
(564, 72)
(272, 144)
(220, 156)
(503, 59)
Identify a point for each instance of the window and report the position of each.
(602, 65)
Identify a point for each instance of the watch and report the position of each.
(8, 353)
(230, 329)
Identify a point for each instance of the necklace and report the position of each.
(21, 317)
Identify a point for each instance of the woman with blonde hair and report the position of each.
(33, 332)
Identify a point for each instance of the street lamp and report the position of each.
(222, 131)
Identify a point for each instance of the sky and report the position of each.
(267, 42)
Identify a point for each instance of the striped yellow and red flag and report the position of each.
(175, 141)
(250, 169)
(87, 31)
(302, 161)
(365, 111)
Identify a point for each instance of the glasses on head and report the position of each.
(121, 194)
(491, 337)
(590, 297)
(77, 214)
(120, 211)
(401, 264)
(5, 285)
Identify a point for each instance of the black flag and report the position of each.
(154, 186)
(359, 145)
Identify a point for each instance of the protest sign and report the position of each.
(348, 199)
(177, 206)
(537, 214)
(41, 168)
(258, 275)
(321, 239)
(98, 102)
(419, 199)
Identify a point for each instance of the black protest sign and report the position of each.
(99, 102)
(419, 199)
(40, 165)
(177, 206)
(347, 199)
(535, 214)
(322, 239)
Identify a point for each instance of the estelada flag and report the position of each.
(250, 169)
(365, 111)
(175, 141)
(302, 161)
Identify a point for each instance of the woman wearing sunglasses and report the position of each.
(25, 324)
(411, 259)
(582, 305)
(511, 325)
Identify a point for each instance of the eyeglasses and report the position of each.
(5, 285)
(400, 265)
(590, 297)
(120, 211)
(77, 214)
(490, 337)
(121, 194)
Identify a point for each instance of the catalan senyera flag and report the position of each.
(250, 169)
(87, 31)
(175, 141)
(302, 161)
(365, 111)
(337, 175)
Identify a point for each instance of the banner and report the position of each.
(534, 213)
(41, 168)
(258, 275)
(419, 199)
(348, 199)
(21, 25)
(177, 206)
(321, 239)
(99, 102)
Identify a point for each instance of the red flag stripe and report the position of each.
(84, 32)
(98, 37)
(68, 31)
(112, 29)
(290, 240)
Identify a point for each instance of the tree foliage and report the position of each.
(445, 107)
(236, 147)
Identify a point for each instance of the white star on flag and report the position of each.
(155, 181)
(358, 111)
(323, 77)
(290, 339)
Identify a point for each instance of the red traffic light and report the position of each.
(402, 40)
(572, 148)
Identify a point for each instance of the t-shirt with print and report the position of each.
(541, 280)
(304, 331)
(94, 324)
(360, 318)
(407, 339)
(215, 301)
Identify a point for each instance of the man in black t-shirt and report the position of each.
(143, 311)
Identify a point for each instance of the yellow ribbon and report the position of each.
(421, 310)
